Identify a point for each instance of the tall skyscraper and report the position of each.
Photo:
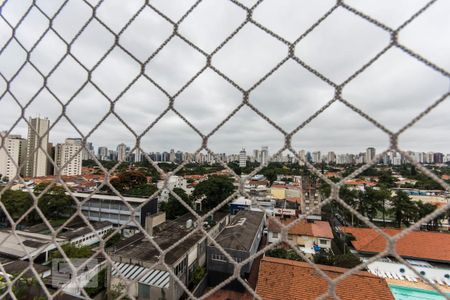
(264, 155)
(121, 152)
(370, 154)
(37, 146)
(15, 146)
(172, 156)
(316, 157)
(137, 155)
(242, 158)
(103, 153)
(67, 158)
(88, 152)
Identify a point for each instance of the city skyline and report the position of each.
(289, 96)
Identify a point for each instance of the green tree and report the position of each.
(423, 210)
(55, 203)
(403, 209)
(17, 203)
(215, 189)
(173, 207)
(347, 260)
(116, 237)
(73, 251)
(132, 183)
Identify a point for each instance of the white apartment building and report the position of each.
(69, 157)
(15, 146)
(242, 158)
(121, 152)
(173, 182)
(264, 155)
(37, 146)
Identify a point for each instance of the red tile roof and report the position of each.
(416, 244)
(278, 186)
(315, 229)
(293, 199)
(359, 182)
(287, 279)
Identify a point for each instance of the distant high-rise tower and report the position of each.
(172, 156)
(370, 154)
(66, 155)
(103, 153)
(121, 152)
(88, 152)
(242, 158)
(37, 146)
(15, 146)
(264, 155)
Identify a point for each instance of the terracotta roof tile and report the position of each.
(416, 244)
(287, 279)
(316, 228)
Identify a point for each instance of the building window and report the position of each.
(218, 257)
(323, 242)
(275, 235)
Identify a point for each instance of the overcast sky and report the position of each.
(393, 90)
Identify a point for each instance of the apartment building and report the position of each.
(37, 147)
(11, 155)
(68, 156)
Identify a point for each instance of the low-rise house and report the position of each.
(287, 279)
(240, 239)
(427, 252)
(310, 236)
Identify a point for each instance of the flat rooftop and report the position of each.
(110, 197)
(241, 231)
(165, 235)
(11, 247)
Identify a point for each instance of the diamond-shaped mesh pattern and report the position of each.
(90, 17)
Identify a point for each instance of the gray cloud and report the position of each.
(393, 90)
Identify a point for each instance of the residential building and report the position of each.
(37, 146)
(137, 257)
(370, 154)
(88, 151)
(433, 247)
(172, 156)
(173, 182)
(331, 157)
(242, 158)
(11, 155)
(316, 158)
(68, 157)
(264, 155)
(288, 279)
(310, 236)
(427, 252)
(122, 152)
(240, 239)
(103, 153)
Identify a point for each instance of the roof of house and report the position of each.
(360, 182)
(18, 266)
(75, 232)
(287, 279)
(426, 245)
(241, 232)
(314, 228)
